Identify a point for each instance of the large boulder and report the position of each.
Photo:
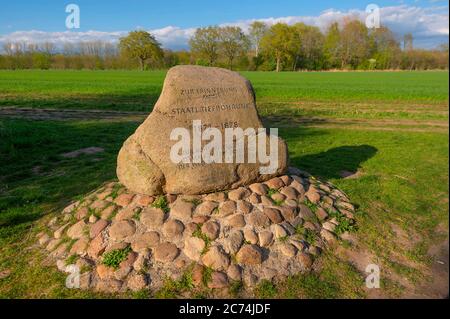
(218, 98)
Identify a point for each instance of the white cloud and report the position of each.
(428, 25)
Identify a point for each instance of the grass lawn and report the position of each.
(389, 128)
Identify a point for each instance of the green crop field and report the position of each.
(388, 129)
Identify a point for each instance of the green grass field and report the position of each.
(390, 128)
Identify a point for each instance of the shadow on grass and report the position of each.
(35, 179)
(332, 163)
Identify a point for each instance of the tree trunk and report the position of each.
(231, 64)
(142, 64)
(294, 67)
(278, 64)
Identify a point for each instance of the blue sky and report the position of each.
(172, 21)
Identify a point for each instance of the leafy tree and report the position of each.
(233, 43)
(332, 45)
(384, 48)
(205, 43)
(141, 45)
(311, 47)
(354, 43)
(257, 30)
(282, 42)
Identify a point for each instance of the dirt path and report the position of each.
(69, 114)
(273, 121)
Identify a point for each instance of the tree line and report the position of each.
(280, 47)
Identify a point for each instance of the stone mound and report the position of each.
(122, 241)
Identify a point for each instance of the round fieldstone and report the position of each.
(278, 231)
(181, 209)
(250, 279)
(211, 229)
(286, 179)
(227, 208)
(152, 217)
(313, 195)
(104, 272)
(291, 203)
(82, 213)
(197, 275)
(278, 197)
(200, 219)
(79, 247)
(236, 221)
(321, 214)
(310, 225)
(144, 241)
(275, 183)
(305, 212)
(234, 241)
(243, 207)
(60, 231)
(144, 200)
(218, 280)
(77, 230)
(171, 198)
(96, 247)
(234, 272)
(193, 248)
(328, 236)
(298, 244)
(216, 258)
(92, 219)
(206, 208)
(124, 199)
(238, 194)
(99, 205)
(257, 219)
(266, 201)
(288, 250)
(108, 211)
(249, 255)
(273, 214)
(329, 226)
(97, 228)
(259, 188)
(126, 213)
(165, 252)
(289, 213)
(250, 236)
(216, 197)
(173, 228)
(298, 187)
(265, 238)
(190, 228)
(121, 229)
(289, 192)
(254, 199)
